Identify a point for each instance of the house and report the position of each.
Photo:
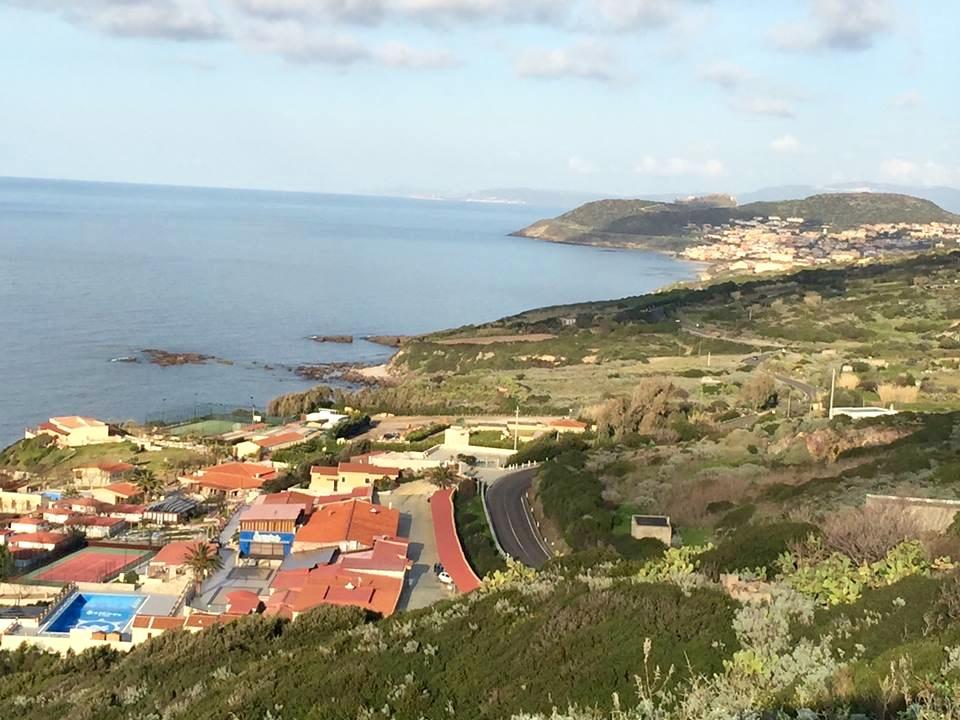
(230, 481)
(145, 627)
(257, 447)
(117, 493)
(651, 526)
(80, 505)
(566, 425)
(288, 497)
(74, 431)
(48, 541)
(348, 525)
(348, 476)
(97, 526)
(28, 525)
(267, 530)
(172, 510)
(171, 561)
(360, 493)
(372, 580)
(100, 475)
(131, 514)
(58, 515)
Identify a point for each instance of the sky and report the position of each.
(629, 97)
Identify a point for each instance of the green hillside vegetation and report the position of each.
(646, 223)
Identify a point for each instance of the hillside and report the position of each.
(673, 226)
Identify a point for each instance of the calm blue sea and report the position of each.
(90, 272)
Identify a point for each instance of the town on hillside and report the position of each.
(774, 244)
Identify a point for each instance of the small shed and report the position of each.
(652, 526)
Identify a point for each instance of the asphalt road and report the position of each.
(512, 520)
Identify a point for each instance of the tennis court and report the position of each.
(205, 428)
(90, 564)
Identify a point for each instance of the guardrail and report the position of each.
(522, 466)
(56, 603)
(486, 513)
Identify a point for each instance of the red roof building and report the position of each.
(349, 525)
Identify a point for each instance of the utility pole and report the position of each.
(833, 387)
(516, 429)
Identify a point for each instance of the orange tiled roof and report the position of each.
(567, 423)
(234, 476)
(123, 489)
(75, 422)
(372, 592)
(368, 469)
(280, 439)
(323, 470)
(175, 553)
(352, 520)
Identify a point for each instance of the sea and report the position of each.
(94, 272)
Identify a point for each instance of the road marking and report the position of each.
(536, 535)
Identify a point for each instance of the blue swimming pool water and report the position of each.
(96, 611)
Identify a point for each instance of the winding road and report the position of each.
(513, 520)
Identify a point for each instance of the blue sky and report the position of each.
(620, 96)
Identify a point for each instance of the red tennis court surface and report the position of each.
(89, 565)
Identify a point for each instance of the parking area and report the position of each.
(422, 588)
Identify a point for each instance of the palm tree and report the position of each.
(147, 482)
(443, 476)
(203, 560)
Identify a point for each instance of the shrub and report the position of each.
(867, 534)
(423, 433)
(754, 547)
(737, 518)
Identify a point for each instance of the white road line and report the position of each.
(536, 535)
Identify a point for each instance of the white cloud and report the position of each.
(850, 25)
(909, 99)
(729, 76)
(399, 55)
(928, 172)
(587, 60)
(179, 20)
(580, 166)
(678, 166)
(634, 14)
(765, 105)
(785, 144)
(431, 12)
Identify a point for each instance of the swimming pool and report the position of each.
(95, 611)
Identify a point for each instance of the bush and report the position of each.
(754, 547)
(867, 534)
(737, 518)
(423, 433)
(547, 447)
(351, 426)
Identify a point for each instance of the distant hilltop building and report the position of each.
(74, 431)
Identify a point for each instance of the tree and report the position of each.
(147, 482)
(759, 391)
(443, 477)
(7, 566)
(203, 560)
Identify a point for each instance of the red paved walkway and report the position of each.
(448, 544)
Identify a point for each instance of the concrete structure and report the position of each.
(651, 526)
(931, 514)
(28, 525)
(48, 541)
(858, 413)
(96, 476)
(74, 431)
(20, 501)
(267, 530)
(347, 477)
(97, 526)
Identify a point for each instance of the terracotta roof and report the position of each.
(280, 439)
(175, 553)
(287, 498)
(351, 520)
(372, 592)
(365, 458)
(117, 467)
(242, 602)
(234, 476)
(79, 502)
(368, 469)
(568, 423)
(387, 555)
(28, 521)
(205, 620)
(52, 428)
(124, 489)
(364, 492)
(158, 622)
(94, 521)
(127, 509)
(53, 538)
(323, 470)
(75, 422)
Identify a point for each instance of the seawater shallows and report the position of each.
(90, 272)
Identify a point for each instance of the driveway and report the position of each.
(416, 523)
